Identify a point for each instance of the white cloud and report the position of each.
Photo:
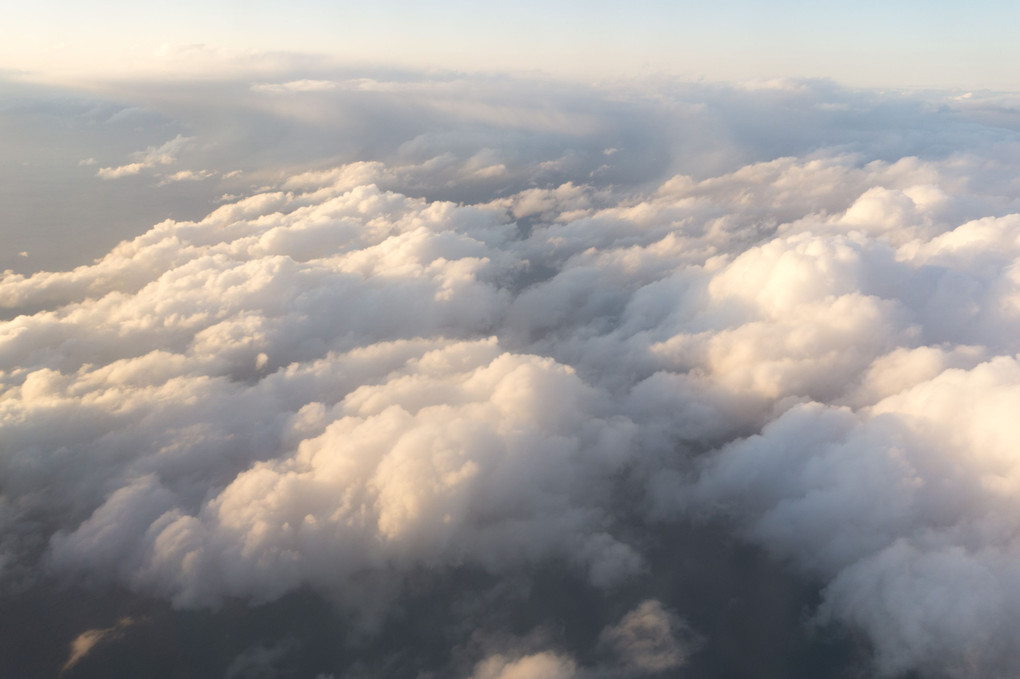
(165, 154)
(120, 170)
(498, 487)
(187, 176)
(335, 377)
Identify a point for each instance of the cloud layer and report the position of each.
(333, 384)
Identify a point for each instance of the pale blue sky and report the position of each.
(867, 43)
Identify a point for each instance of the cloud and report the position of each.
(121, 170)
(187, 176)
(544, 665)
(651, 639)
(498, 489)
(262, 660)
(85, 642)
(517, 446)
(342, 382)
(165, 154)
(296, 86)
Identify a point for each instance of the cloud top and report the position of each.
(334, 383)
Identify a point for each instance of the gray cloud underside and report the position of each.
(338, 376)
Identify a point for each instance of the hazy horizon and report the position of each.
(906, 44)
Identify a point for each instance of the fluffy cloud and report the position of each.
(335, 384)
(463, 454)
(168, 371)
(905, 505)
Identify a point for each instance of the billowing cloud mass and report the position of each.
(336, 383)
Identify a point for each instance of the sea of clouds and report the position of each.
(798, 327)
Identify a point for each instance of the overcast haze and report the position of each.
(519, 343)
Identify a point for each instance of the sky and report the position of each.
(526, 342)
(905, 44)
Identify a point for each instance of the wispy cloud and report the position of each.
(154, 156)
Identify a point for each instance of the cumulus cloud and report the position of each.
(340, 382)
(904, 505)
(502, 489)
(497, 488)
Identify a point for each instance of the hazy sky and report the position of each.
(897, 44)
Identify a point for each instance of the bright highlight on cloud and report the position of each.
(333, 384)
(152, 157)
